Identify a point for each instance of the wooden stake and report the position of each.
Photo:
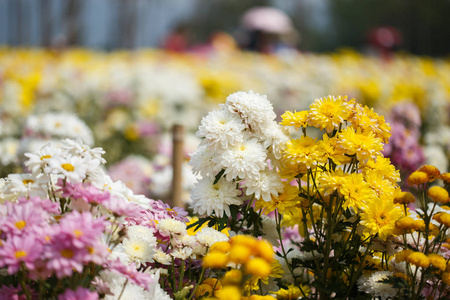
(177, 165)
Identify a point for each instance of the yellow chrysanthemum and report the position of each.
(445, 177)
(382, 187)
(438, 194)
(437, 261)
(229, 293)
(404, 198)
(382, 166)
(379, 218)
(443, 218)
(331, 181)
(356, 191)
(432, 172)
(328, 113)
(303, 150)
(364, 144)
(292, 292)
(284, 201)
(297, 119)
(329, 150)
(417, 177)
(418, 259)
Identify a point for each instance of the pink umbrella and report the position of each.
(267, 19)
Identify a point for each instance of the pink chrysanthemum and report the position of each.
(22, 217)
(79, 294)
(64, 258)
(83, 191)
(81, 229)
(16, 250)
(144, 280)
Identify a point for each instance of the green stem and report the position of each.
(180, 283)
(199, 282)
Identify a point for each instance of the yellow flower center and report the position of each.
(78, 233)
(171, 210)
(27, 181)
(45, 157)
(91, 250)
(20, 224)
(68, 167)
(67, 253)
(19, 254)
(382, 220)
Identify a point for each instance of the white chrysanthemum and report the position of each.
(209, 236)
(182, 253)
(26, 185)
(252, 107)
(183, 241)
(171, 226)
(221, 128)
(202, 161)
(275, 137)
(8, 149)
(140, 249)
(142, 232)
(244, 160)
(162, 257)
(267, 185)
(372, 285)
(116, 283)
(78, 148)
(38, 162)
(208, 197)
(269, 227)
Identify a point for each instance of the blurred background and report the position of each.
(320, 25)
(120, 74)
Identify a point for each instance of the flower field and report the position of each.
(290, 193)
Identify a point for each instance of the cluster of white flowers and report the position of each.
(57, 126)
(243, 140)
(182, 245)
(373, 285)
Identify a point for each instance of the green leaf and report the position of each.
(218, 176)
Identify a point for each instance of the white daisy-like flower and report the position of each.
(171, 226)
(209, 236)
(140, 249)
(182, 253)
(208, 197)
(221, 128)
(26, 185)
(267, 184)
(162, 257)
(252, 107)
(275, 137)
(202, 161)
(38, 162)
(243, 160)
(372, 285)
(74, 168)
(78, 148)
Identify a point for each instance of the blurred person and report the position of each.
(384, 41)
(268, 30)
(177, 40)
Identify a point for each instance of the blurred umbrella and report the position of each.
(267, 19)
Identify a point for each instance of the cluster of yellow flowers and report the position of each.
(246, 261)
(346, 161)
